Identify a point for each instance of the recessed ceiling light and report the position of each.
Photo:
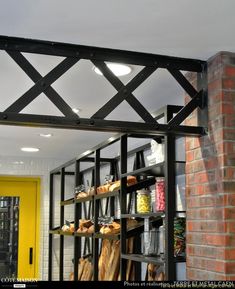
(47, 135)
(28, 149)
(76, 110)
(116, 68)
(18, 163)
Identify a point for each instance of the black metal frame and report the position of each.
(98, 56)
(14, 47)
(168, 170)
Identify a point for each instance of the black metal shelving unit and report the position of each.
(146, 177)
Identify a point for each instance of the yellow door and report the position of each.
(25, 193)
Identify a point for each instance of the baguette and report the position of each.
(113, 265)
(104, 257)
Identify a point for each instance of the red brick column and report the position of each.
(210, 179)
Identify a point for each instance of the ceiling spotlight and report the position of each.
(46, 135)
(18, 163)
(116, 68)
(30, 150)
(76, 110)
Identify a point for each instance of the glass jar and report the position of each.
(160, 195)
(150, 243)
(179, 236)
(161, 245)
(143, 202)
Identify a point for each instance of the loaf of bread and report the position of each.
(112, 228)
(131, 180)
(85, 223)
(103, 189)
(82, 230)
(81, 195)
(65, 228)
(115, 186)
(71, 228)
(91, 229)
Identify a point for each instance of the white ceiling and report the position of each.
(184, 28)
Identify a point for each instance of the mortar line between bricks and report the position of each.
(212, 206)
(205, 270)
(213, 246)
(214, 233)
(211, 258)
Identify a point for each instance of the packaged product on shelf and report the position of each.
(85, 269)
(107, 183)
(110, 186)
(112, 228)
(160, 194)
(84, 226)
(109, 260)
(155, 272)
(150, 242)
(68, 227)
(161, 242)
(157, 153)
(80, 192)
(143, 201)
(179, 236)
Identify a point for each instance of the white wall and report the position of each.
(35, 167)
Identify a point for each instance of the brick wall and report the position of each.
(210, 179)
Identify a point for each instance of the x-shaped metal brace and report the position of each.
(124, 92)
(42, 84)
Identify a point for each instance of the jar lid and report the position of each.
(143, 191)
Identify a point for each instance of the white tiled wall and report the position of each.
(35, 167)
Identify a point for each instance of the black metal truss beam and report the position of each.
(42, 84)
(180, 78)
(73, 53)
(103, 54)
(124, 92)
(31, 120)
(186, 110)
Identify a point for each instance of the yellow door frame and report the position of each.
(37, 229)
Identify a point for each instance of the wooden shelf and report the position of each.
(66, 233)
(67, 202)
(107, 236)
(76, 234)
(85, 199)
(54, 231)
(60, 232)
(142, 258)
(157, 170)
(154, 170)
(143, 216)
(106, 195)
(142, 184)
